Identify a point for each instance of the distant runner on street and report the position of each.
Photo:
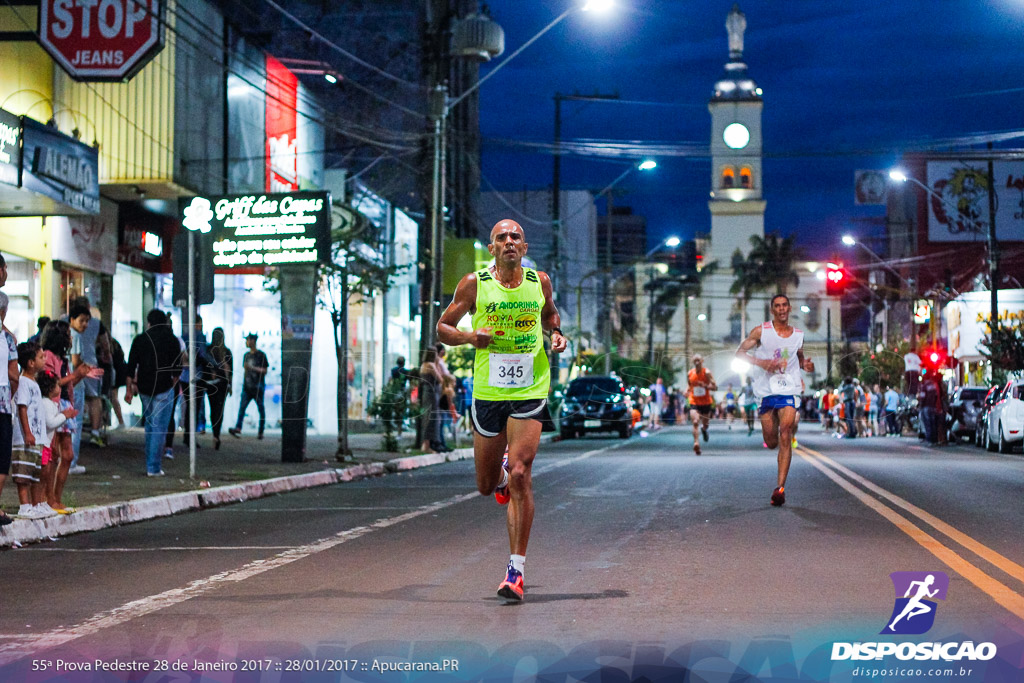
(701, 402)
(511, 307)
(778, 358)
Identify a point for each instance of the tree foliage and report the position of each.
(772, 262)
(1004, 348)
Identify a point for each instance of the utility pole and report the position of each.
(556, 206)
(608, 292)
(993, 247)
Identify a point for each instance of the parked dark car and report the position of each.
(596, 404)
(981, 421)
(964, 407)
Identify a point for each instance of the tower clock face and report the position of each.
(736, 136)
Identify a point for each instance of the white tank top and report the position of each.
(774, 347)
(4, 359)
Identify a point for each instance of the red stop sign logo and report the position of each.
(101, 40)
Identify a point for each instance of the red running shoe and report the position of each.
(512, 587)
(778, 496)
(502, 494)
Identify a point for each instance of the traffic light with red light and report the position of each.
(934, 358)
(835, 279)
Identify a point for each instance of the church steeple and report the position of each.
(737, 202)
(735, 84)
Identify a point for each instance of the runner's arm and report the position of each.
(462, 303)
(549, 317)
(806, 364)
(748, 344)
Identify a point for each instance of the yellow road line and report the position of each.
(1003, 595)
(983, 551)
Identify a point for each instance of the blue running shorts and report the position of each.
(774, 402)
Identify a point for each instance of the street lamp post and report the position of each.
(850, 240)
(993, 253)
(651, 285)
(606, 294)
(440, 106)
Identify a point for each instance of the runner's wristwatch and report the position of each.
(558, 330)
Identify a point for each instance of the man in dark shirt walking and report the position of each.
(255, 366)
(154, 365)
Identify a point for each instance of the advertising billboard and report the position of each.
(958, 204)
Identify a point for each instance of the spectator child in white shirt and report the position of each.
(56, 413)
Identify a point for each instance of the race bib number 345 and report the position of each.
(511, 370)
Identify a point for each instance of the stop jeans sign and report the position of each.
(101, 40)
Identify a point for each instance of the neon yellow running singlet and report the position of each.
(514, 367)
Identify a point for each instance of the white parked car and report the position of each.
(1005, 430)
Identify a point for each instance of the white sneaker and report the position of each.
(169, 453)
(155, 474)
(77, 469)
(44, 510)
(28, 512)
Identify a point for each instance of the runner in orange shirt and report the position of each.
(699, 394)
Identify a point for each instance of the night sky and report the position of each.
(847, 86)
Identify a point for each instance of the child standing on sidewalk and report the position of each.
(29, 433)
(58, 414)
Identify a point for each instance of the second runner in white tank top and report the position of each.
(774, 347)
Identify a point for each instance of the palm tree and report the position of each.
(749, 278)
(693, 286)
(776, 258)
(665, 306)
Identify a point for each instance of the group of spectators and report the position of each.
(157, 371)
(854, 409)
(440, 400)
(50, 392)
(54, 385)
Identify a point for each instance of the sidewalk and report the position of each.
(115, 489)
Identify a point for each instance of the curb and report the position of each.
(98, 517)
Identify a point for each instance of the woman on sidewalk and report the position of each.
(430, 399)
(218, 379)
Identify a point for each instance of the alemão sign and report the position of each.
(101, 40)
(254, 231)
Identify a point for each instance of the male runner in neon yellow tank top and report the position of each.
(511, 308)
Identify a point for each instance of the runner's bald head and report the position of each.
(506, 225)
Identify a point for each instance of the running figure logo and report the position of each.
(914, 612)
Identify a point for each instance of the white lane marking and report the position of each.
(172, 548)
(11, 652)
(247, 511)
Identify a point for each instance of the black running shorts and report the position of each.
(490, 417)
(6, 436)
(702, 409)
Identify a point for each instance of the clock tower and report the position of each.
(737, 204)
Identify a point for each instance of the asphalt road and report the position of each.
(645, 560)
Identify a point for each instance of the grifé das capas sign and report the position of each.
(254, 231)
